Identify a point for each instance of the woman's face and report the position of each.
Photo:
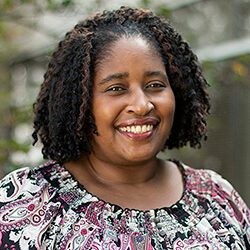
(133, 103)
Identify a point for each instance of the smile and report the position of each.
(137, 129)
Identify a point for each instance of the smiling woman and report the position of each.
(121, 87)
(132, 96)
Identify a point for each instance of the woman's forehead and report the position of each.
(129, 55)
(125, 47)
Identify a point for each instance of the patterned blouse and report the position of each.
(46, 208)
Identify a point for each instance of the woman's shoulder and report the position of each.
(211, 186)
(29, 202)
(208, 182)
(25, 182)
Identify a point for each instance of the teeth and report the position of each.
(133, 129)
(138, 129)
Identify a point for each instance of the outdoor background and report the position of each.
(218, 30)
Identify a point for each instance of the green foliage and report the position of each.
(145, 3)
(233, 71)
(10, 4)
(53, 4)
(13, 145)
(163, 11)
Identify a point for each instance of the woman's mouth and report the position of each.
(137, 129)
(137, 132)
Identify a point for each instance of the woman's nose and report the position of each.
(139, 103)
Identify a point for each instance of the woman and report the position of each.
(121, 87)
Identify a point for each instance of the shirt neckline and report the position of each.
(76, 184)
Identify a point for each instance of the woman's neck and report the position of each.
(130, 174)
(127, 185)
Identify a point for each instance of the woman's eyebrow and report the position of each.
(116, 76)
(155, 73)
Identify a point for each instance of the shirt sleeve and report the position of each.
(16, 185)
(26, 210)
(227, 196)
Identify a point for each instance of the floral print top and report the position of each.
(46, 208)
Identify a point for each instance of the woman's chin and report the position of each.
(140, 157)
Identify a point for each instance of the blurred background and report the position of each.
(217, 30)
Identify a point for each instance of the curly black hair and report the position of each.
(63, 118)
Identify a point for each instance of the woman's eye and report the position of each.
(156, 85)
(115, 89)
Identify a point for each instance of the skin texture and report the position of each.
(131, 87)
(132, 96)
